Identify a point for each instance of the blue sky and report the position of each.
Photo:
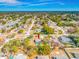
(39, 5)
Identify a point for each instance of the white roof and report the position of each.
(20, 56)
(43, 57)
(3, 57)
(65, 39)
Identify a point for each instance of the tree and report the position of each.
(14, 48)
(17, 43)
(3, 22)
(44, 50)
(60, 23)
(12, 45)
(60, 31)
(21, 31)
(48, 29)
(7, 47)
(26, 43)
(32, 52)
(77, 41)
(2, 30)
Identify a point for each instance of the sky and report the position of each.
(39, 5)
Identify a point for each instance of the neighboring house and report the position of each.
(73, 52)
(75, 55)
(66, 40)
(71, 30)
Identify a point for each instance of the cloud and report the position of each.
(18, 3)
(38, 4)
(9, 1)
(44, 0)
(60, 3)
(45, 3)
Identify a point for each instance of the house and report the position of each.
(37, 39)
(71, 30)
(67, 41)
(64, 39)
(73, 52)
(58, 54)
